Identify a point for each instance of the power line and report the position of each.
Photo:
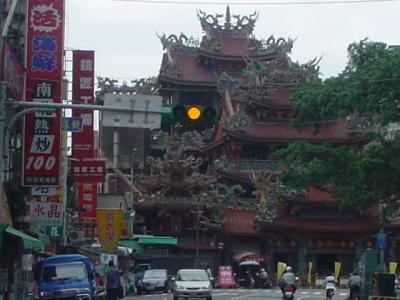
(258, 3)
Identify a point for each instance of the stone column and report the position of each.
(302, 259)
(357, 254)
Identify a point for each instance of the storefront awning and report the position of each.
(132, 244)
(28, 241)
(156, 240)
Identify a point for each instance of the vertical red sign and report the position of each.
(44, 71)
(83, 93)
(87, 202)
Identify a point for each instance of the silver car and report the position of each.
(192, 284)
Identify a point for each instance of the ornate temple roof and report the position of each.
(335, 224)
(186, 70)
(285, 132)
(240, 221)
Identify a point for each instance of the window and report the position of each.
(68, 271)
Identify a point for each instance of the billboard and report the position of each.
(87, 202)
(44, 73)
(109, 227)
(83, 93)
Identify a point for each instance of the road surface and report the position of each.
(254, 294)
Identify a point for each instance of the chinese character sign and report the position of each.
(44, 69)
(89, 171)
(83, 93)
(225, 277)
(109, 227)
(47, 213)
(87, 202)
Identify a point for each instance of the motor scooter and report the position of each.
(288, 292)
(329, 293)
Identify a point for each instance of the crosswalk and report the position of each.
(235, 292)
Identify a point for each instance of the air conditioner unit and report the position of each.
(76, 236)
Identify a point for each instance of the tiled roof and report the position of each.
(240, 221)
(191, 70)
(177, 205)
(328, 226)
(317, 195)
(286, 131)
(234, 46)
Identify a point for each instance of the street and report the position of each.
(238, 294)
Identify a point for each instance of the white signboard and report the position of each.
(48, 213)
(105, 258)
(43, 191)
(142, 119)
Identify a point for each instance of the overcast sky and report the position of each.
(123, 33)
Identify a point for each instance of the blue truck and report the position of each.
(66, 277)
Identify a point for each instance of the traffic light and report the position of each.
(183, 113)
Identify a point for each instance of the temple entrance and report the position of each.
(325, 263)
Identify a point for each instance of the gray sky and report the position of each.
(123, 33)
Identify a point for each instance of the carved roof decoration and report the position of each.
(144, 86)
(181, 43)
(243, 26)
(270, 46)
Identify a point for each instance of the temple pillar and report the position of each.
(357, 254)
(302, 258)
(392, 252)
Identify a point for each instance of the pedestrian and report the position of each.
(113, 283)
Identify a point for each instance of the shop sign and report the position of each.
(225, 277)
(89, 171)
(105, 258)
(55, 232)
(44, 74)
(83, 93)
(109, 227)
(87, 202)
(47, 213)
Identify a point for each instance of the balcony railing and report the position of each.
(259, 165)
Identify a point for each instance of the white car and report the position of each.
(191, 284)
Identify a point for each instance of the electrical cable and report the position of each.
(256, 3)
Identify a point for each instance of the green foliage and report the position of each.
(369, 85)
(359, 177)
(367, 93)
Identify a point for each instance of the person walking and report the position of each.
(113, 282)
(354, 285)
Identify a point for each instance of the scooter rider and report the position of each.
(329, 283)
(288, 278)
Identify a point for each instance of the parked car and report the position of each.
(66, 276)
(192, 283)
(153, 280)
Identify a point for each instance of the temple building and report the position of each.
(213, 186)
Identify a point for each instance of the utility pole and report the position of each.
(3, 114)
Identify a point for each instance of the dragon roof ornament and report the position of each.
(243, 26)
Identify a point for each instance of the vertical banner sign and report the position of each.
(87, 202)
(44, 71)
(14, 73)
(83, 93)
(280, 270)
(109, 227)
(338, 266)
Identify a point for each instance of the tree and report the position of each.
(366, 94)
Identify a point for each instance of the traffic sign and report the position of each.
(148, 115)
(73, 124)
(381, 241)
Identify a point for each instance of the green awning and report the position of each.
(29, 241)
(158, 240)
(132, 244)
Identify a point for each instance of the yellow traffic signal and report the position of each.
(193, 112)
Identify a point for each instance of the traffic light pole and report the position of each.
(6, 125)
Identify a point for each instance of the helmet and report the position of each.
(288, 269)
